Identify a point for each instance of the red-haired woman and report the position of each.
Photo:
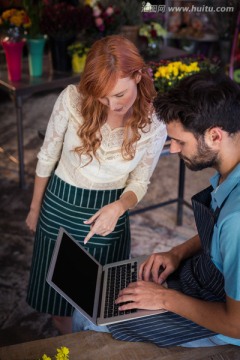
(104, 142)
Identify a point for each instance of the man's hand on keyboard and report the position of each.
(143, 295)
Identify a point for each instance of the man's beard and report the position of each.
(204, 158)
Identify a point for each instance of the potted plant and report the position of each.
(13, 24)
(153, 33)
(34, 10)
(102, 18)
(132, 18)
(167, 73)
(78, 52)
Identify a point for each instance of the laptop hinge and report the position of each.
(100, 295)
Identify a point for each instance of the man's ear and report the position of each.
(214, 136)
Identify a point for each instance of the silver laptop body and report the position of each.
(82, 281)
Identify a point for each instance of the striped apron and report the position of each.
(197, 277)
(68, 206)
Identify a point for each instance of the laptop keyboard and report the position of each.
(118, 278)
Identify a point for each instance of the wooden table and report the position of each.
(90, 345)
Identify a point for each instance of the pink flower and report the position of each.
(96, 11)
(99, 21)
(109, 11)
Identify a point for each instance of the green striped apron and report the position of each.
(68, 206)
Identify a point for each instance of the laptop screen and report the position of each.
(75, 273)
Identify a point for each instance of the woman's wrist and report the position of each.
(121, 206)
(35, 207)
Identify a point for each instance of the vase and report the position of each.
(78, 63)
(35, 56)
(61, 60)
(154, 47)
(13, 52)
(131, 33)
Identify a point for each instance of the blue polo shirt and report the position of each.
(225, 247)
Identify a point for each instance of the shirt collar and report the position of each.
(223, 190)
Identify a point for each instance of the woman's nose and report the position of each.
(112, 104)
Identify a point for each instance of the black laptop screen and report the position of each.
(75, 273)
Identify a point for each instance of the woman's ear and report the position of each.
(138, 76)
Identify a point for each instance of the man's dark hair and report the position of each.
(200, 102)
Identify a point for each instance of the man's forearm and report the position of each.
(188, 248)
(223, 318)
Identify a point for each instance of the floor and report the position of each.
(152, 231)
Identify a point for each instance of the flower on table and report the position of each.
(60, 20)
(45, 357)
(34, 10)
(107, 19)
(166, 74)
(62, 354)
(78, 51)
(90, 2)
(78, 48)
(152, 30)
(13, 23)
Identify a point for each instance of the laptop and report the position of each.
(90, 287)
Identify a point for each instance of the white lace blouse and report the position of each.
(110, 170)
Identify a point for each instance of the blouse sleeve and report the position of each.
(139, 178)
(50, 151)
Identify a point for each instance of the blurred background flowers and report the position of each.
(101, 19)
(13, 24)
(33, 9)
(60, 20)
(152, 35)
(166, 74)
(152, 31)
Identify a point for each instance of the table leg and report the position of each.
(181, 182)
(18, 105)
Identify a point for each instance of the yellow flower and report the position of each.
(6, 15)
(16, 20)
(45, 357)
(167, 74)
(62, 353)
(90, 2)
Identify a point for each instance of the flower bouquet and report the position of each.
(152, 30)
(60, 21)
(153, 33)
(13, 24)
(34, 10)
(105, 19)
(166, 73)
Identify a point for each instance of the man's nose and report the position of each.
(174, 147)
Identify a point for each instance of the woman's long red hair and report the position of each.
(108, 59)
